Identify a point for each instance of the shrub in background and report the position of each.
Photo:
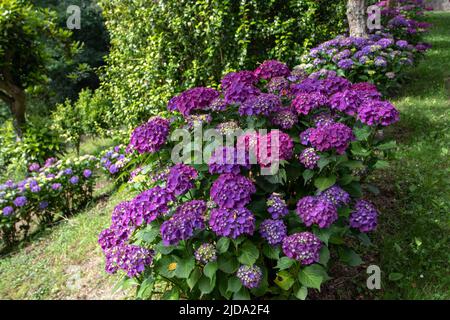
(223, 230)
(161, 48)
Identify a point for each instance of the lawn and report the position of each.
(413, 239)
(411, 245)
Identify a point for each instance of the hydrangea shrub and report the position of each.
(221, 229)
(59, 187)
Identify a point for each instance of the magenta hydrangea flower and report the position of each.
(227, 160)
(309, 158)
(129, 258)
(367, 91)
(274, 231)
(239, 86)
(206, 253)
(378, 113)
(34, 167)
(336, 195)
(347, 101)
(263, 104)
(250, 276)
(150, 204)
(304, 247)
(332, 84)
(232, 191)
(218, 105)
(332, 136)
(272, 68)
(197, 120)
(285, 118)
(364, 217)
(151, 136)
(304, 136)
(232, 223)
(285, 146)
(279, 85)
(323, 118)
(304, 103)
(181, 226)
(316, 210)
(276, 206)
(193, 99)
(180, 179)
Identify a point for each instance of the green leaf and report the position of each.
(284, 280)
(172, 294)
(307, 175)
(223, 244)
(362, 134)
(271, 252)
(386, 146)
(149, 234)
(249, 253)
(349, 257)
(285, 263)
(323, 183)
(302, 293)
(193, 278)
(242, 294)
(166, 266)
(184, 267)
(312, 276)
(146, 288)
(381, 164)
(227, 263)
(234, 284)
(395, 276)
(205, 285)
(323, 234)
(323, 162)
(210, 269)
(324, 255)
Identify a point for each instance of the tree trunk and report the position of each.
(356, 16)
(15, 98)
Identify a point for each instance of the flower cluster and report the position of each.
(112, 161)
(180, 179)
(330, 136)
(206, 253)
(250, 276)
(316, 210)
(193, 99)
(274, 231)
(232, 191)
(304, 247)
(232, 222)
(364, 216)
(150, 137)
(227, 160)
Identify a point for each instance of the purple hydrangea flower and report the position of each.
(68, 171)
(197, 120)
(150, 204)
(305, 102)
(380, 62)
(87, 173)
(284, 147)
(227, 160)
(206, 253)
(113, 169)
(347, 101)
(378, 113)
(323, 118)
(181, 226)
(74, 180)
(285, 118)
(276, 206)
(34, 167)
(364, 216)
(250, 276)
(130, 258)
(272, 68)
(34, 186)
(49, 162)
(56, 186)
(151, 136)
(278, 85)
(179, 179)
(198, 98)
(345, 64)
(304, 247)
(239, 86)
(316, 210)
(232, 223)
(20, 201)
(274, 231)
(309, 158)
(232, 191)
(7, 211)
(43, 205)
(332, 136)
(336, 195)
(263, 104)
(218, 105)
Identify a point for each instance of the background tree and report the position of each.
(356, 16)
(29, 41)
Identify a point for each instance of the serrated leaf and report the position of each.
(324, 255)
(302, 293)
(223, 244)
(234, 284)
(193, 278)
(205, 285)
(284, 280)
(271, 252)
(349, 257)
(227, 264)
(323, 183)
(284, 263)
(210, 269)
(312, 276)
(249, 253)
(184, 267)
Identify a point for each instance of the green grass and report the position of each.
(413, 238)
(63, 262)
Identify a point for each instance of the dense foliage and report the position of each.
(161, 48)
(223, 229)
